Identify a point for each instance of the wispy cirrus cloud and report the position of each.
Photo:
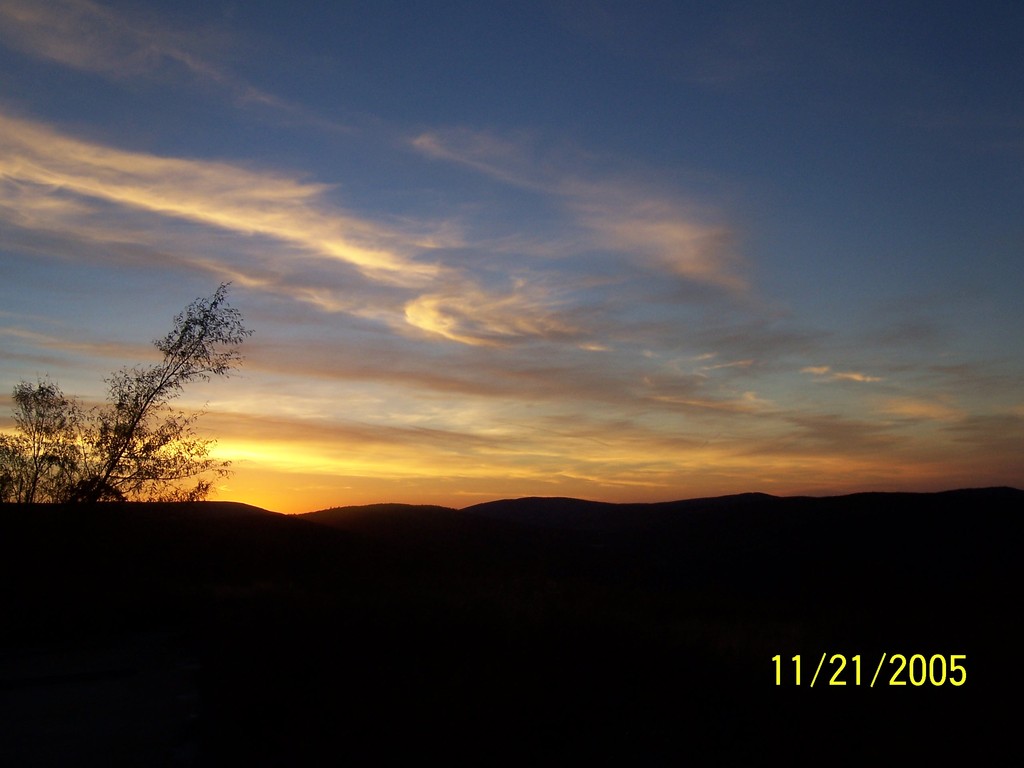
(921, 409)
(610, 213)
(91, 348)
(51, 175)
(663, 234)
(500, 158)
(59, 185)
(826, 373)
(274, 232)
(470, 315)
(91, 37)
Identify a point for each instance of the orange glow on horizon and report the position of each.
(290, 486)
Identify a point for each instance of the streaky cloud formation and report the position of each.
(917, 409)
(616, 214)
(88, 36)
(470, 316)
(38, 162)
(826, 372)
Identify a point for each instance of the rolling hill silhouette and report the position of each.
(540, 629)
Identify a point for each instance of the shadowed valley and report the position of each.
(534, 629)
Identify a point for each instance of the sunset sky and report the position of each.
(614, 250)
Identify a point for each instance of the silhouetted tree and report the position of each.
(38, 462)
(13, 468)
(136, 446)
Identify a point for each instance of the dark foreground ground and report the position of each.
(529, 632)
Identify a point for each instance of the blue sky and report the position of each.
(612, 250)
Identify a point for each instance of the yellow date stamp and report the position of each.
(897, 669)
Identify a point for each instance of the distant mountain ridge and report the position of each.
(582, 514)
(564, 512)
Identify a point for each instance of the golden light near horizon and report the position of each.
(300, 474)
